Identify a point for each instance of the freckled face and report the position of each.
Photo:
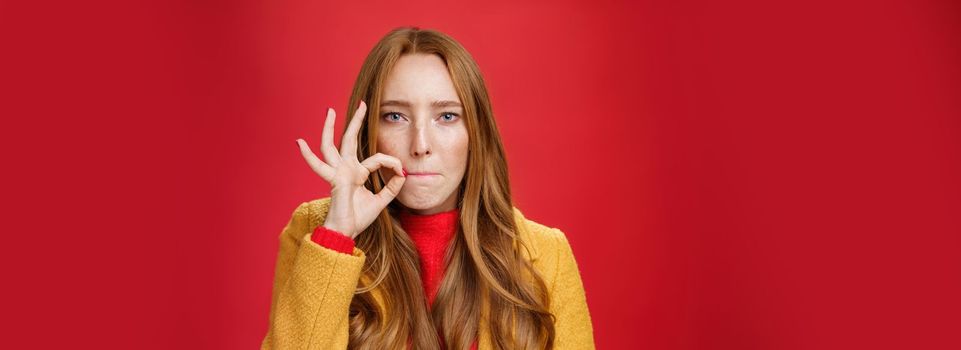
(421, 123)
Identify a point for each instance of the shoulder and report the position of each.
(317, 208)
(549, 252)
(544, 242)
(308, 215)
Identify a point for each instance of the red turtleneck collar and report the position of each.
(431, 235)
(431, 226)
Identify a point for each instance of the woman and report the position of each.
(450, 263)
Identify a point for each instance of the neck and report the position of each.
(430, 211)
(442, 222)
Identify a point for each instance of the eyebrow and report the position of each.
(446, 103)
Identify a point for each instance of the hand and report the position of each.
(352, 206)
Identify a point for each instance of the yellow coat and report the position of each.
(313, 286)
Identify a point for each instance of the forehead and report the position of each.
(419, 78)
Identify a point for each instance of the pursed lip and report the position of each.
(420, 173)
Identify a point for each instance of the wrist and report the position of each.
(333, 240)
(338, 229)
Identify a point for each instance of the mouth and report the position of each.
(420, 173)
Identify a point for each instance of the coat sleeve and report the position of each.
(312, 289)
(568, 301)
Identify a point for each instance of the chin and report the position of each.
(419, 201)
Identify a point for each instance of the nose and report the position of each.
(420, 145)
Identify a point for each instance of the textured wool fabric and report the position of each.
(333, 239)
(313, 285)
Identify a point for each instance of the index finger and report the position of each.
(348, 145)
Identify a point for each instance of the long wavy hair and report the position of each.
(484, 261)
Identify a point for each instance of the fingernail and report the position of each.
(359, 103)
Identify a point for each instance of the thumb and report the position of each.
(389, 192)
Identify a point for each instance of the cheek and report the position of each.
(388, 145)
(460, 145)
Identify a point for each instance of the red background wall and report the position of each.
(733, 174)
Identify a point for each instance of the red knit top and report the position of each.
(431, 235)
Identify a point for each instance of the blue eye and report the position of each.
(389, 116)
(453, 116)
